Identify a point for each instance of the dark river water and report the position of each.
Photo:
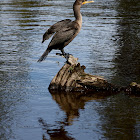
(108, 45)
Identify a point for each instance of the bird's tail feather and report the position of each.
(44, 55)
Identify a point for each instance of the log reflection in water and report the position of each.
(70, 103)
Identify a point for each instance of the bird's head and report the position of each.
(81, 2)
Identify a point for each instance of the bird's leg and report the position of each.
(66, 55)
(63, 53)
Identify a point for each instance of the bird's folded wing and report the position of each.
(63, 37)
(55, 28)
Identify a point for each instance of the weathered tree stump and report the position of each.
(72, 77)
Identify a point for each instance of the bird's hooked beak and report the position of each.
(87, 2)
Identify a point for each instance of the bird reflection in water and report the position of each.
(54, 134)
(70, 104)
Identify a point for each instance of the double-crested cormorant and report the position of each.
(65, 31)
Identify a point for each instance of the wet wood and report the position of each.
(133, 89)
(72, 77)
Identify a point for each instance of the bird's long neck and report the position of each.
(77, 14)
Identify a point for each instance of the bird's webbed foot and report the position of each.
(66, 55)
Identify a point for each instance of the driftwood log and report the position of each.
(72, 77)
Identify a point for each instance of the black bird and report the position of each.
(65, 31)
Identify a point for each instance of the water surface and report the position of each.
(108, 45)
